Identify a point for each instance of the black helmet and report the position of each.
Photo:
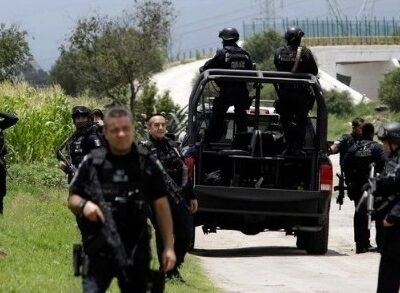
(80, 111)
(98, 113)
(229, 34)
(293, 35)
(390, 132)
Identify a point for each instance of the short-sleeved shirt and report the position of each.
(344, 143)
(127, 166)
(122, 178)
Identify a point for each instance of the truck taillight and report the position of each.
(325, 177)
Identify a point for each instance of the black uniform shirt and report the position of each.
(126, 169)
(82, 142)
(388, 183)
(344, 143)
(358, 158)
(230, 57)
(121, 179)
(285, 57)
(167, 152)
(6, 121)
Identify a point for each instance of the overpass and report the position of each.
(360, 66)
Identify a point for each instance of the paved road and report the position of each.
(178, 80)
(270, 262)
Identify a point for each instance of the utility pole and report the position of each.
(367, 10)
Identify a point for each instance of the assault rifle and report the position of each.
(368, 194)
(112, 238)
(173, 189)
(341, 188)
(109, 230)
(70, 168)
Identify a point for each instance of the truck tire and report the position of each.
(318, 241)
(302, 240)
(192, 241)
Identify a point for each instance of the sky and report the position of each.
(50, 22)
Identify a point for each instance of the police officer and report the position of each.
(183, 203)
(83, 140)
(294, 101)
(387, 209)
(231, 56)
(343, 144)
(128, 181)
(7, 120)
(356, 164)
(98, 116)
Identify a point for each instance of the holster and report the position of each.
(77, 259)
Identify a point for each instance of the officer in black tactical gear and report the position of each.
(182, 200)
(387, 209)
(343, 144)
(356, 164)
(110, 194)
(231, 56)
(98, 116)
(6, 121)
(83, 140)
(294, 101)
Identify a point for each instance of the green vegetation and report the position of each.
(37, 232)
(340, 124)
(389, 90)
(14, 51)
(338, 103)
(44, 120)
(115, 57)
(262, 46)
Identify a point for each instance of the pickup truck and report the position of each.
(243, 182)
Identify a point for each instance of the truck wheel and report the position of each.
(302, 240)
(318, 241)
(193, 239)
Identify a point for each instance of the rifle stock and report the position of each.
(70, 168)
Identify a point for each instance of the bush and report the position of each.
(389, 90)
(338, 103)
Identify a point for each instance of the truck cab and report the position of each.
(243, 182)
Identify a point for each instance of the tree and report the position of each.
(262, 46)
(149, 103)
(67, 73)
(35, 75)
(116, 57)
(14, 51)
(389, 90)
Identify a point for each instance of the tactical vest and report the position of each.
(126, 197)
(384, 201)
(236, 58)
(171, 160)
(363, 157)
(79, 147)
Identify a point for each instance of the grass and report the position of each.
(36, 235)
